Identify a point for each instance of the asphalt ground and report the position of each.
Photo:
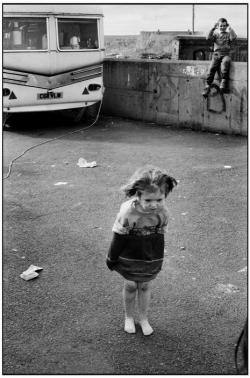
(58, 216)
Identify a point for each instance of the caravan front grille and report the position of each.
(51, 82)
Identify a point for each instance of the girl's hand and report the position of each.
(110, 264)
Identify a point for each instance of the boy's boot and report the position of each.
(206, 91)
(223, 85)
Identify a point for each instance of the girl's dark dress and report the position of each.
(137, 247)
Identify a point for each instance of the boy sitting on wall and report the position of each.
(221, 59)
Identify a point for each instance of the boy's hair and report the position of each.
(151, 179)
(223, 20)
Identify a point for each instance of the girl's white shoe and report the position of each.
(129, 326)
(146, 328)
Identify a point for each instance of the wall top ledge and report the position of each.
(168, 61)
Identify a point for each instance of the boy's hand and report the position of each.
(216, 25)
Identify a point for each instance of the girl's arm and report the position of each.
(165, 220)
(120, 230)
(116, 246)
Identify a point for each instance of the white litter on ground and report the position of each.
(29, 276)
(82, 163)
(60, 183)
(76, 205)
(243, 270)
(227, 166)
(30, 273)
(227, 289)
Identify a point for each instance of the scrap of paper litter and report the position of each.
(82, 163)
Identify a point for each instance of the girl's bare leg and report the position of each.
(144, 293)
(129, 296)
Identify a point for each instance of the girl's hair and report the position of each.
(151, 179)
(223, 20)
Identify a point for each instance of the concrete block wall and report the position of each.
(169, 93)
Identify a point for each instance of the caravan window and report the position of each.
(24, 33)
(77, 33)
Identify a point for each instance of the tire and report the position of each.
(7, 125)
(92, 110)
(76, 115)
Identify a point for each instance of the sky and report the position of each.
(130, 18)
(127, 19)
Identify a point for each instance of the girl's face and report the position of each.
(152, 201)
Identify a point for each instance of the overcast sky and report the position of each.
(125, 19)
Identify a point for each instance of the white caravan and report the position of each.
(52, 57)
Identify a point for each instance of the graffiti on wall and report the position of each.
(241, 97)
(165, 91)
(216, 102)
(194, 70)
(174, 94)
(220, 99)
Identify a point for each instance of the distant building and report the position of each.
(199, 48)
(122, 45)
(183, 45)
(176, 45)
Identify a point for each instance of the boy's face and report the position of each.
(152, 201)
(222, 26)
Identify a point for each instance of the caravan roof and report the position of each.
(60, 9)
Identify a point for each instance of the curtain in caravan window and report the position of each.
(77, 33)
(24, 33)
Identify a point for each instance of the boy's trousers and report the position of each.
(220, 63)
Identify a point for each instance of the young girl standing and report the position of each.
(137, 247)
